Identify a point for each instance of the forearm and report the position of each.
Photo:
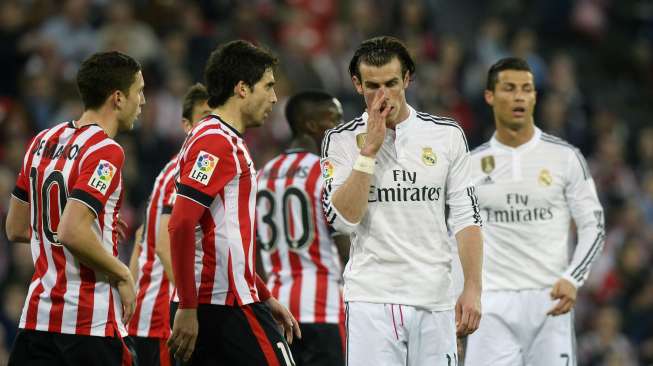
(163, 247)
(85, 246)
(342, 245)
(133, 260)
(470, 249)
(17, 224)
(350, 199)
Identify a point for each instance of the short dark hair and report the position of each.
(379, 51)
(102, 74)
(195, 94)
(303, 105)
(507, 63)
(233, 62)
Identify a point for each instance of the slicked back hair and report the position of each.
(233, 62)
(102, 74)
(195, 94)
(508, 63)
(302, 106)
(380, 51)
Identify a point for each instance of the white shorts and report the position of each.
(398, 335)
(516, 331)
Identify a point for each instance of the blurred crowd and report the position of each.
(592, 62)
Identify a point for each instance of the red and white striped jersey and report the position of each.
(298, 251)
(152, 314)
(215, 170)
(83, 164)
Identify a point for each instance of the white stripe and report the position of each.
(106, 142)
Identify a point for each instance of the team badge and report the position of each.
(102, 176)
(360, 139)
(545, 178)
(203, 167)
(428, 156)
(487, 164)
(327, 170)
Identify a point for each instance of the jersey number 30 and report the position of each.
(296, 218)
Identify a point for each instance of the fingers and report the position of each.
(296, 329)
(463, 327)
(127, 312)
(122, 229)
(562, 307)
(182, 344)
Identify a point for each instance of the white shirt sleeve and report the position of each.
(336, 164)
(587, 212)
(461, 195)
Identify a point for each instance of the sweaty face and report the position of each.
(260, 100)
(387, 77)
(513, 98)
(131, 108)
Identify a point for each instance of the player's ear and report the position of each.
(357, 84)
(241, 89)
(406, 79)
(186, 125)
(489, 97)
(117, 99)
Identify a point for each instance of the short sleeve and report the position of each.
(169, 194)
(22, 189)
(100, 175)
(208, 166)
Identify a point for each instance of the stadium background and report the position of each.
(592, 61)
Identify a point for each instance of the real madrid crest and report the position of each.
(360, 139)
(545, 179)
(487, 164)
(428, 156)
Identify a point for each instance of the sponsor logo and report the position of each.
(360, 139)
(487, 164)
(203, 167)
(327, 170)
(102, 176)
(545, 178)
(428, 156)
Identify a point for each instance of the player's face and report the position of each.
(131, 109)
(329, 118)
(389, 78)
(513, 98)
(201, 109)
(260, 100)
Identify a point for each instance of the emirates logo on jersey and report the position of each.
(203, 167)
(102, 176)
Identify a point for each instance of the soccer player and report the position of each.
(222, 302)
(296, 244)
(66, 203)
(530, 185)
(150, 325)
(389, 174)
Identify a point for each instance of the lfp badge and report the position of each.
(327, 170)
(203, 167)
(102, 176)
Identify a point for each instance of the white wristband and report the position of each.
(365, 164)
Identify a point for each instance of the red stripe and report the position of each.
(321, 271)
(160, 321)
(275, 258)
(86, 300)
(246, 184)
(342, 323)
(112, 321)
(261, 337)
(401, 314)
(293, 258)
(164, 353)
(233, 297)
(209, 258)
(126, 354)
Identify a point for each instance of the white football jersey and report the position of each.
(528, 196)
(400, 252)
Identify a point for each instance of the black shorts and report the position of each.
(239, 335)
(151, 351)
(321, 345)
(38, 348)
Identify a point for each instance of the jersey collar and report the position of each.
(521, 148)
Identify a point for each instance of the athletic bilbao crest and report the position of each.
(102, 176)
(360, 140)
(545, 178)
(428, 156)
(203, 167)
(487, 164)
